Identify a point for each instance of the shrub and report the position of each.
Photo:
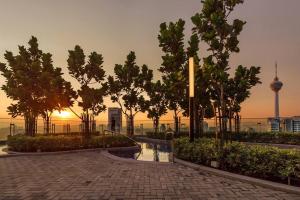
(22, 143)
(256, 137)
(202, 151)
(253, 160)
(160, 135)
(268, 137)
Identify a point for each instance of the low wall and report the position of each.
(13, 153)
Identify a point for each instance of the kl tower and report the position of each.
(276, 85)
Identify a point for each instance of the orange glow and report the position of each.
(62, 114)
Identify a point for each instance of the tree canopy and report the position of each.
(127, 87)
(34, 84)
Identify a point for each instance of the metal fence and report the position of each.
(16, 126)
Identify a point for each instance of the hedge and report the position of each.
(257, 137)
(40, 143)
(268, 137)
(258, 161)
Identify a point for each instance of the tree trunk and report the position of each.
(86, 124)
(156, 124)
(222, 109)
(131, 126)
(47, 124)
(238, 123)
(197, 122)
(230, 125)
(176, 122)
(30, 124)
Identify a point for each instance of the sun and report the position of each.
(62, 114)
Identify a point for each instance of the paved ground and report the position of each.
(90, 175)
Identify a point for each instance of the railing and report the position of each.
(16, 126)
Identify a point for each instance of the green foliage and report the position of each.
(268, 137)
(238, 88)
(42, 143)
(88, 73)
(202, 151)
(171, 40)
(157, 103)
(160, 135)
(34, 84)
(215, 27)
(255, 160)
(128, 86)
(261, 161)
(256, 137)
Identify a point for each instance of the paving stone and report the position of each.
(90, 175)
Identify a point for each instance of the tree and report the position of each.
(157, 103)
(88, 73)
(175, 74)
(128, 86)
(202, 97)
(171, 40)
(214, 28)
(58, 93)
(35, 85)
(238, 90)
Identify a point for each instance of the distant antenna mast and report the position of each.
(276, 69)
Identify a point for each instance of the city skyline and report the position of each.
(269, 35)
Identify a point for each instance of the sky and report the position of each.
(115, 27)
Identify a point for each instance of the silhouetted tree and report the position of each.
(171, 40)
(35, 85)
(58, 92)
(157, 103)
(238, 90)
(221, 35)
(88, 73)
(127, 88)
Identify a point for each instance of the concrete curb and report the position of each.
(150, 140)
(245, 179)
(128, 160)
(16, 154)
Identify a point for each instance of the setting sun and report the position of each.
(62, 114)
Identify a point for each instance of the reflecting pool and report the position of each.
(149, 152)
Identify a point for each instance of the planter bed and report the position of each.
(264, 162)
(21, 143)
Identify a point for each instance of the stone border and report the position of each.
(129, 160)
(151, 140)
(15, 154)
(242, 178)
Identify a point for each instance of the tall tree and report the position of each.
(157, 103)
(202, 87)
(58, 93)
(171, 40)
(35, 85)
(88, 73)
(238, 90)
(221, 35)
(127, 88)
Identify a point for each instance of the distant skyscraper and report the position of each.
(276, 85)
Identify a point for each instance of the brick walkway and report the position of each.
(90, 175)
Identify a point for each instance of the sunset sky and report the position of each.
(115, 27)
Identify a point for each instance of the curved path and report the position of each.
(90, 175)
